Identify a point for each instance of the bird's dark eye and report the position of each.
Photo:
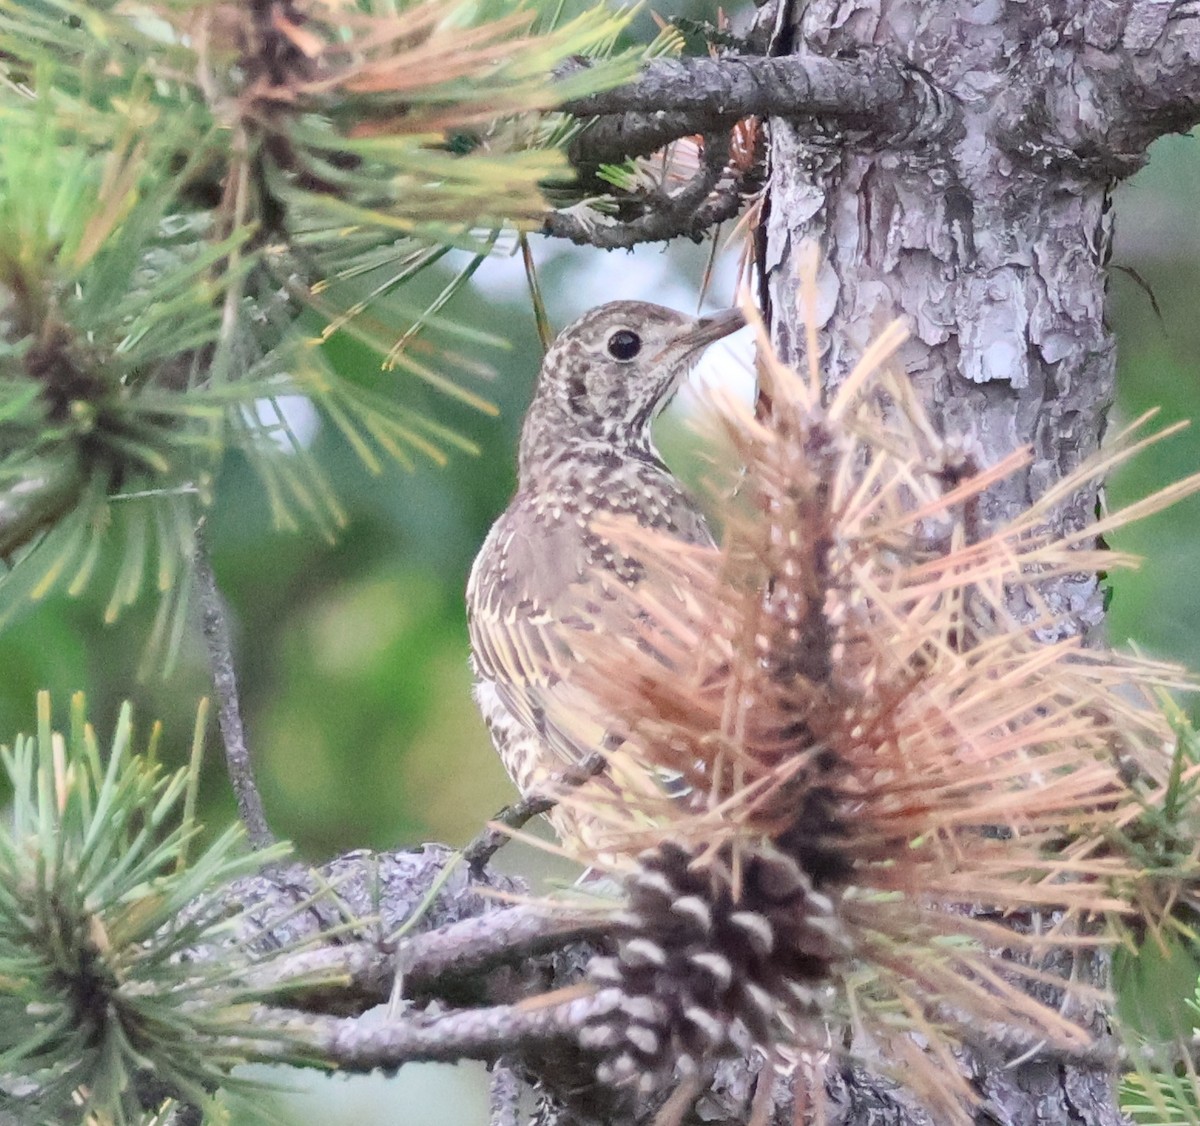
(624, 345)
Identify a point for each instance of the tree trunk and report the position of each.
(989, 238)
(991, 247)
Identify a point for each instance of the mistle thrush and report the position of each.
(549, 572)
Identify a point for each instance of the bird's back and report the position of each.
(550, 574)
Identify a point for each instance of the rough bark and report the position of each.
(967, 191)
(991, 241)
(996, 266)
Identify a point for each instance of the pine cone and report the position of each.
(716, 954)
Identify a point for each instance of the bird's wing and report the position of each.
(528, 634)
(526, 618)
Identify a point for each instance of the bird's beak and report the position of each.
(684, 350)
(707, 330)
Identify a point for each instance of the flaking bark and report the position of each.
(991, 240)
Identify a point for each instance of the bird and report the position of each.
(549, 575)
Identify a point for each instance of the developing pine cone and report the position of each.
(699, 974)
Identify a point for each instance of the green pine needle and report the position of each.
(101, 912)
(181, 188)
(1159, 1030)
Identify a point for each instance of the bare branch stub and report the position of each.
(873, 95)
(618, 136)
(873, 91)
(362, 896)
(1143, 82)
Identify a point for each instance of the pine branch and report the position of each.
(708, 199)
(873, 94)
(238, 760)
(478, 854)
(219, 181)
(295, 954)
(486, 1034)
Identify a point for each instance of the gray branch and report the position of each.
(487, 1034)
(1136, 77)
(710, 198)
(1092, 102)
(217, 635)
(1146, 82)
(337, 937)
(1084, 102)
(873, 93)
(481, 850)
(478, 944)
(469, 978)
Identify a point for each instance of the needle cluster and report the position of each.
(899, 801)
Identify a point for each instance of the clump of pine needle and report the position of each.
(898, 801)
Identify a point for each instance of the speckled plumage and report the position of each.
(546, 574)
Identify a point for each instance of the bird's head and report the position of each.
(608, 375)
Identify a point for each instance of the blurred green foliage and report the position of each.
(353, 656)
(1158, 607)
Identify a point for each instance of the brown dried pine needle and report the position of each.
(891, 781)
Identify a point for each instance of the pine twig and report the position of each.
(229, 711)
(350, 972)
(479, 942)
(544, 331)
(487, 1034)
(691, 213)
(480, 851)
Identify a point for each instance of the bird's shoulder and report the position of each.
(562, 530)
